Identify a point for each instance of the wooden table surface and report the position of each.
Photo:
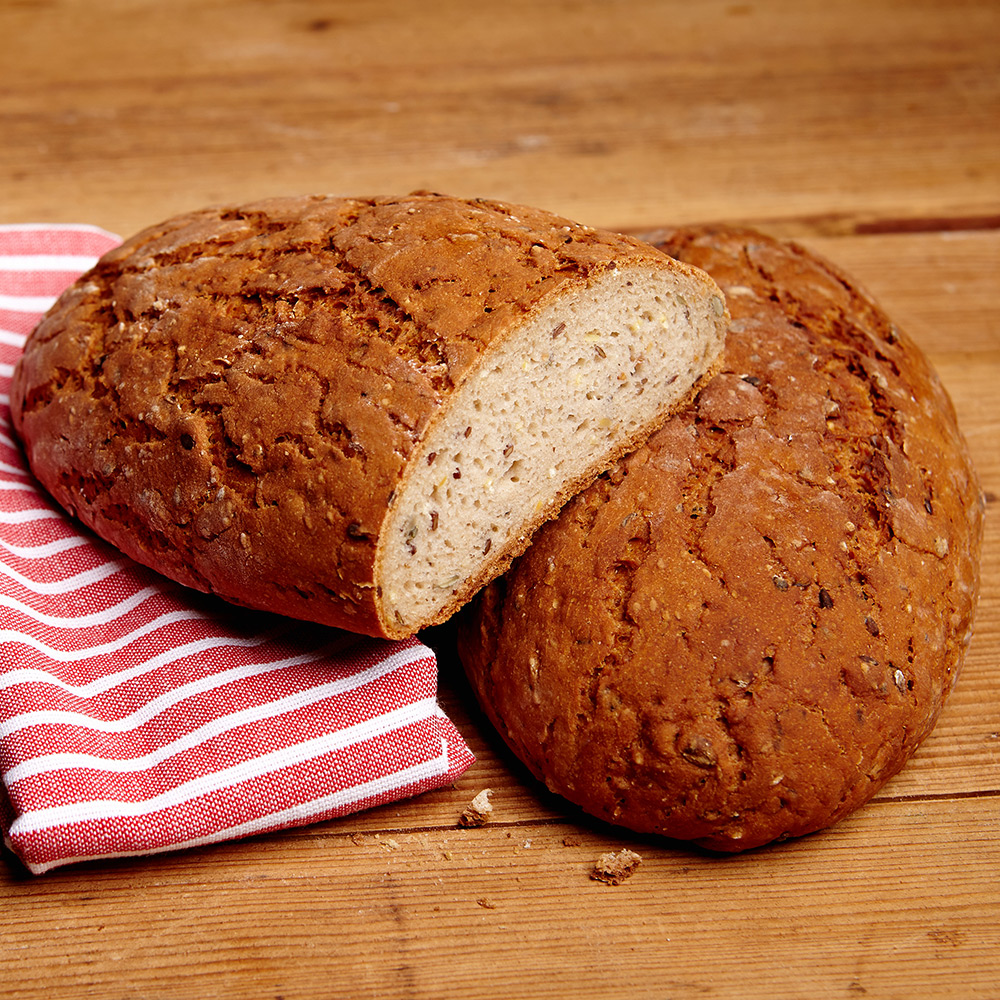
(870, 130)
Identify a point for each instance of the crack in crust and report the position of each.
(784, 637)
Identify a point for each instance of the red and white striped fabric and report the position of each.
(137, 716)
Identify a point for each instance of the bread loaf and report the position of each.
(746, 627)
(354, 411)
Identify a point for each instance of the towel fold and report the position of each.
(137, 716)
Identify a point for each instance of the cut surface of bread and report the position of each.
(354, 410)
(743, 629)
(586, 378)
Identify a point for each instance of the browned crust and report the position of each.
(745, 628)
(232, 397)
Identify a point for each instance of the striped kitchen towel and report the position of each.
(137, 716)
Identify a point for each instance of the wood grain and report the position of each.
(617, 114)
(873, 905)
(866, 130)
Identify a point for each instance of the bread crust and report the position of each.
(232, 397)
(746, 627)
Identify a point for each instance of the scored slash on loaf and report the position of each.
(355, 411)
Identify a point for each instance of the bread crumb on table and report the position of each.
(479, 810)
(613, 868)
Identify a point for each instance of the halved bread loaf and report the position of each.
(354, 411)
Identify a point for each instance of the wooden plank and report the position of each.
(874, 905)
(667, 111)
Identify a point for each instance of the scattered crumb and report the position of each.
(387, 843)
(479, 810)
(613, 868)
(570, 842)
(486, 904)
(357, 839)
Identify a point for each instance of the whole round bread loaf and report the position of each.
(741, 631)
(354, 410)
